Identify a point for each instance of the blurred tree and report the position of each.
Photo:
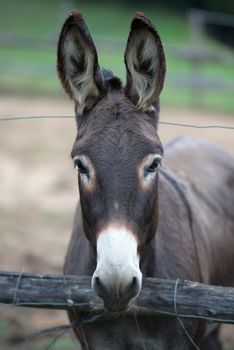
(182, 5)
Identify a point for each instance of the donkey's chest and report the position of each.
(131, 333)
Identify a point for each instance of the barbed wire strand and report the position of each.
(69, 299)
(199, 126)
(17, 287)
(227, 127)
(55, 339)
(14, 303)
(179, 319)
(45, 331)
(62, 329)
(6, 119)
(139, 332)
(62, 305)
(71, 303)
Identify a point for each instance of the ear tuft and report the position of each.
(140, 21)
(145, 63)
(115, 83)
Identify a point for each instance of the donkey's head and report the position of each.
(117, 151)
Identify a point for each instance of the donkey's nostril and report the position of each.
(134, 284)
(134, 281)
(133, 288)
(99, 287)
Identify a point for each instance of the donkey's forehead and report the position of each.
(114, 104)
(113, 121)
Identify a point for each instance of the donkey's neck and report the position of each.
(174, 234)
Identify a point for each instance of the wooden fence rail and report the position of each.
(192, 299)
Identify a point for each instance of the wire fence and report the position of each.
(179, 299)
(59, 331)
(173, 295)
(195, 126)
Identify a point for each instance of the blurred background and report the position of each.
(38, 189)
(198, 44)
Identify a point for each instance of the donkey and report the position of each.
(135, 217)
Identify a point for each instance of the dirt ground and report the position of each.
(38, 187)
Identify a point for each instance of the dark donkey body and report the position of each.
(135, 218)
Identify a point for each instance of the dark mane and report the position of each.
(112, 82)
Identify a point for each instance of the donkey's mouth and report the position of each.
(115, 300)
(115, 312)
(118, 311)
(115, 308)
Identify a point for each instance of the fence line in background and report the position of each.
(160, 122)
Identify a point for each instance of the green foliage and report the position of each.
(32, 70)
(182, 5)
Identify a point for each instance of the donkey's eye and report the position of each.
(152, 168)
(82, 169)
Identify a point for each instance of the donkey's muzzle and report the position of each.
(117, 278)
(116, 298)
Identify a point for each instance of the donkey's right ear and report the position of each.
(77, 63)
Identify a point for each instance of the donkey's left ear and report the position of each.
(145, 63)
(77, 63)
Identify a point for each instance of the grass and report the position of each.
(29, 71)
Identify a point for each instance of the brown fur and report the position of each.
(184, 224)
